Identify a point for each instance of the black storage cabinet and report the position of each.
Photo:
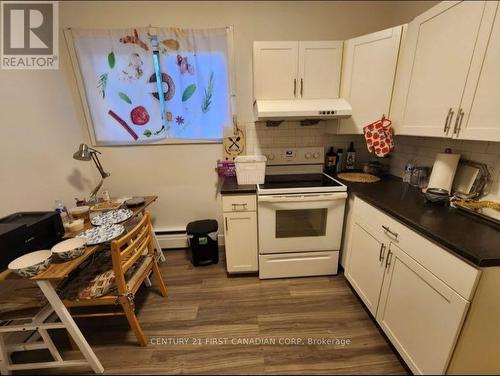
(203, 241)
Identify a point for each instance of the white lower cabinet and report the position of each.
(240, 234)
(365, 266)
(418, 292)
(420, 314)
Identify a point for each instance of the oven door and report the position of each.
(301, 222)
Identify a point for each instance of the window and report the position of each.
(118, 73)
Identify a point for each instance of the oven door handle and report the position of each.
(304, 198)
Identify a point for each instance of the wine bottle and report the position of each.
(350, 162)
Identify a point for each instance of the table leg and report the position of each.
(73, 330)
(40, 317)
(158, 248)
(4, 357)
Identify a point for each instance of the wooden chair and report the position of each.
(132, 259)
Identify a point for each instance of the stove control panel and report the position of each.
(297, 156)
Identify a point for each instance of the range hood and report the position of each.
(298, 109)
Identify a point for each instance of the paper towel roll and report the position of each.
(443, 171)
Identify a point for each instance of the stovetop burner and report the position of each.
(300, 183)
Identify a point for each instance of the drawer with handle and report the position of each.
(239, 203)
(382, 226)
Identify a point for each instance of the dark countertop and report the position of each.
(473, 239)
(230, 187)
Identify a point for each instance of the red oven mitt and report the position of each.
(379, 137)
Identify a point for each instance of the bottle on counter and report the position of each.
(105, 196)
(350, 161)
(408, 172)
(61, 209)
(331, 159)
(340, 160)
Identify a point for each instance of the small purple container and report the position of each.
(226, 168)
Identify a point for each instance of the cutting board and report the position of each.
(443, 171)
(234, 145)
(465, 178)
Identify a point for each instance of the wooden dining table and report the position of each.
(55, 273)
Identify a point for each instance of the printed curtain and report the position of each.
(120, 82)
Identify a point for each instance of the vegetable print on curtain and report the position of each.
(122, 93)
(196, 62)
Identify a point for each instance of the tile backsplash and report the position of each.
(420, 150)
(292, 134)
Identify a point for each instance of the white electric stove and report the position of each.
(301, 214)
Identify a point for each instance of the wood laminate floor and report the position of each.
(215, 314)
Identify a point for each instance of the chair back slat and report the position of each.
(132, 234)
(137, 253)
(128, 249)
(141, 238)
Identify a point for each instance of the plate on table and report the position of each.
(111, 217)
(105, 206)
(136, 201)
(101, 234)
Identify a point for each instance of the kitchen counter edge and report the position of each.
(372, 195)
(230, 186)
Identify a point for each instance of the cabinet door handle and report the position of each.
(227, 228)
(388, 260)
(294, 87)
(458, 121)
(301, 86)
(387, 229)
(242, 205)
(461, 117)
(382, 252)
(447, 122)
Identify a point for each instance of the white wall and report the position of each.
(39, 134)
(42, 120)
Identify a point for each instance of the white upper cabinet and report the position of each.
(275, 67)
(434, 65)
(482, 94)
(296, 70)
(319, 69)
(369, 69)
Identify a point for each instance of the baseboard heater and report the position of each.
(174, 239)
